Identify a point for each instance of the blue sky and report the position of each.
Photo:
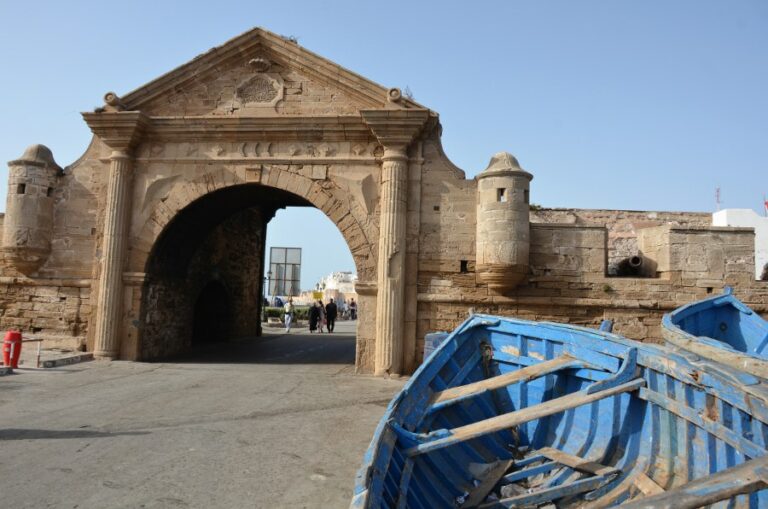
(610, 104)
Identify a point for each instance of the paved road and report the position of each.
(279, 421)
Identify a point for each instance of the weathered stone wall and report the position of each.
(230, 255)
(56, 310)
(568, 283)
(54, 302)
(78, 207)
(622, 225)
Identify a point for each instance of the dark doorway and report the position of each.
(212, 318)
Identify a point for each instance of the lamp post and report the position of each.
(267, 281)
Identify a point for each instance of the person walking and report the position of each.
(288, 309)
(321, 310)
(314, 317)
(330, 314)
(353, 309)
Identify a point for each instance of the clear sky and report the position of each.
(610, 104)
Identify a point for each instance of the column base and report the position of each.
(386, 374)
(106, 356)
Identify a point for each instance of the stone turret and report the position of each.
(503, 225)
(28, 224)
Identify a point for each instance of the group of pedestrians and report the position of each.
(320, 316)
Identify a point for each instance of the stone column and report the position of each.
(109, 301)
(391, 267)
(395, 129)
(120, 131)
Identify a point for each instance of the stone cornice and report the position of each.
(120, 130)
(338, 128)
(396, 128)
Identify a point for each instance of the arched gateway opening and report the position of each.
(204, 275)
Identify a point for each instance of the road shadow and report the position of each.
(37, 434)
(274, 348)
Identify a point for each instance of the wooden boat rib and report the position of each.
(511, 413)
(721, 328)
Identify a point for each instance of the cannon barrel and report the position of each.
(630, 266)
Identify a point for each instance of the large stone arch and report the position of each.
(346, 214)
(245, 190)
(265, 111)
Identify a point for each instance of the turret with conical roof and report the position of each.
(28, 224)
(503, 223)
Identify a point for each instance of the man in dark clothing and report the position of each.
(330, 315)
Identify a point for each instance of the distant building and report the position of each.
(750, 219)
(339, 286)
(344, 282)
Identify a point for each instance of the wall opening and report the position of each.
(212, 322)
(206, 276)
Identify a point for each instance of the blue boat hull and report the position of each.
(721, 328)
(510, 413)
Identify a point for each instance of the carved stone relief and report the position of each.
(258, 149)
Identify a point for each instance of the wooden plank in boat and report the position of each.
(647, 485)
(546, 495)
(693, 416)
(745, 478)
(506, 421)
(487, 484)
(441, 399)
(575, 462)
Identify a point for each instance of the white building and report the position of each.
(750, 219)
(343, 282)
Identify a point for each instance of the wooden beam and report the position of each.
(490, 479)
(575, 462)
(647, 485)
(745, 478)
(543, 496)
(453, 395)
(509, 420)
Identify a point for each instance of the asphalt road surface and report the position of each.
(278, 421)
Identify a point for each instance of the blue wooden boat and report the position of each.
(512, 413)
(721, 328)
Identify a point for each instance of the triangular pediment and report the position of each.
(260, 73)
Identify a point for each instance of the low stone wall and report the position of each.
(622, 225)
(568, 281)
(57, 310)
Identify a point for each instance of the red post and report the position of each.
(12, 348)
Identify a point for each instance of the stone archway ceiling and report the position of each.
(186, 232)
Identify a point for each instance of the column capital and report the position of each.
(395, 129)
(120, 130)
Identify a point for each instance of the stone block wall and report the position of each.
(568, 280)
(56, 310)
(231, 256)
(622, 225)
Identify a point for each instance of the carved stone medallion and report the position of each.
(262, 89)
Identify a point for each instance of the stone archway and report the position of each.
(213, 228)
(200, 128)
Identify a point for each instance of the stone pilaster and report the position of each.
(395, 130)
(110, 287)
(120, 131)
(391, 264)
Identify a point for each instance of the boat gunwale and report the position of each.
(754, 364)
